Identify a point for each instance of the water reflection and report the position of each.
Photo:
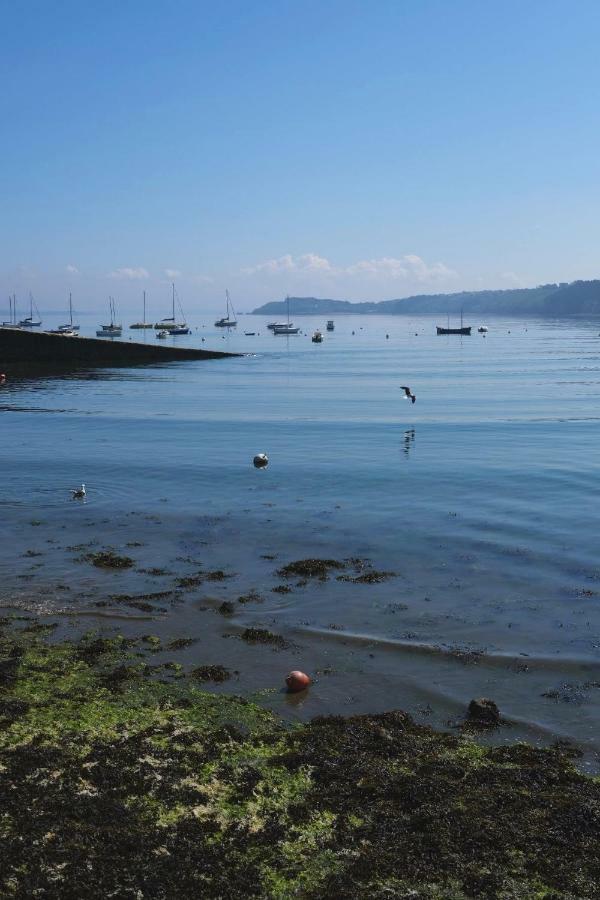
(408, 441)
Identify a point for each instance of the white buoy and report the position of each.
(261, 460)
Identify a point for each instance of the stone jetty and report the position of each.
(22, 348)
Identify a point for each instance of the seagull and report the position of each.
(79, 493)
(408, 393)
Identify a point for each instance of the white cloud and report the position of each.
(512, 278)
(406, 268)
(172, 273)
(71, 270)
(308, 262)
(201, 279)
(130, 274)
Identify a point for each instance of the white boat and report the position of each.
(143, 323)
(317, 338)
(482, 329)
(161, 335)
(64, 332)
(273, 325)
(29, 321)
(330, 325)
(70, 326)
(228, 320)
(112, 330)
(289, 327)
(12, 306)
(170, 323)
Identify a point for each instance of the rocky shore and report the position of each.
(122, 777)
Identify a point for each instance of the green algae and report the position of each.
(113, 783)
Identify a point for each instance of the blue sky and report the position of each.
(357, 150)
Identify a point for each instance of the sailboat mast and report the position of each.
(71, 309)
(173, 286)
(144, 316)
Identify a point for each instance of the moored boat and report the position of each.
(29, 321)
(111, 330)
(143, 323)
(330, 325)
(317, 338)
(170, 323)
(228, 320)
(288, 327)
(464, 329)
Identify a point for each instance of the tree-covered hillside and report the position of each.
(577, 298)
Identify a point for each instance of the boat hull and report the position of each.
(465, 330)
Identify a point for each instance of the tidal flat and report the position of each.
(121, 777)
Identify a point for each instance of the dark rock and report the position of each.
(484, 713)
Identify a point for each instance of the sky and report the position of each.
(332, 148)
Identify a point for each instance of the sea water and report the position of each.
(481, 498)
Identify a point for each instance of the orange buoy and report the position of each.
(297, 681)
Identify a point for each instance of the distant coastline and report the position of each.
(578, 298)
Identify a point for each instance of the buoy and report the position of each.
(2, 378)
(261, 460)
(387, 337)
(79, 493)
(297, 681)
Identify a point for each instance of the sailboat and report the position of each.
(464, 329)
(170, 324)
(12, 307)
(229, 320)
(143, 323)
(69, 329)
(29, 321)
(289, 327)
(112, 330)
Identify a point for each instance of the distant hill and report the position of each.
(576, 299)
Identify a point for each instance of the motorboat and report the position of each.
(273, 325)
(330, 325)
(161, 335)
(228, 320)
(482, 329)
(317, 338)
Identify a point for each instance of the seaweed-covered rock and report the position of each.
(484, 712)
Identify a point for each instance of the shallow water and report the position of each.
(482, 497)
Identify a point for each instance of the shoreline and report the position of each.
(121, 774)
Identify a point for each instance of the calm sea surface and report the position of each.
(482, 498)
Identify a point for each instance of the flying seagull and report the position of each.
(79, 493)
(408, 393)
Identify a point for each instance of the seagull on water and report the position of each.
(408, 393)
(79, 493)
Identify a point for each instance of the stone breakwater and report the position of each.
(23, 348)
